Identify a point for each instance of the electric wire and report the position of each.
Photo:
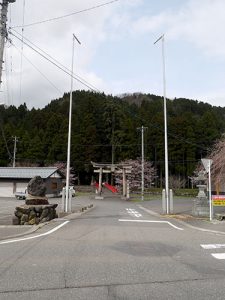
(55, 64)
(4, 138)
(69, 73)
(68, 15)
(177, 162)
(154, 125)
(60, 64)
(38, 70)
(176, 136)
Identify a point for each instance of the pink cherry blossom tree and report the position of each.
(217, 155)
(135, 176)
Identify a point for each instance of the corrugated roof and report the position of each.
(21, 173)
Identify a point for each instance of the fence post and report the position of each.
(171, 201)
(164, 201)
(70, 199)
(63, 198)
(128, 189)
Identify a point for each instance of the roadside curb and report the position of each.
(78, 213)
(31, 230)
(34, 228)
(153, 213)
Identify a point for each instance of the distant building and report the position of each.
(14, 180)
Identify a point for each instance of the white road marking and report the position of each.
(219, 255)
(149, 211)
(212, 246)
(133, 212)
(215, 246)
(35, 236)
(149, 221)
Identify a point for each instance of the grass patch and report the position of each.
(154, 193)
(186, 192)
(83, 193)
(147, 197)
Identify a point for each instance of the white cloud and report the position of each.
(151, 24)
(125, 24)
(55, 37)
(200, 22)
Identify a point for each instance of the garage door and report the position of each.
(6, 189)
(21, 186)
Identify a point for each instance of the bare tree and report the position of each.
(175, 182)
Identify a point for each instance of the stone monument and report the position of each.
(36, 190)
(36, 208)
(201, 202)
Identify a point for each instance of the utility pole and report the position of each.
(14, 151)
(68, 199)
(3, 31)
(162, 38)
(113, 147)
(142, 129)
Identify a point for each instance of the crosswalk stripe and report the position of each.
(219, 255)
(212, 246)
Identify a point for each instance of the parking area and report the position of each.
(7, 206)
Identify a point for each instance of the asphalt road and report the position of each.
(115, 251)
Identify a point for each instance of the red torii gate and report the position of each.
(112, 168)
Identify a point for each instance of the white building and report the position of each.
(14, 180)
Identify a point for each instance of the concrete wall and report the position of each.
(9, 187)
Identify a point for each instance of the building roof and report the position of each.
(28, 173)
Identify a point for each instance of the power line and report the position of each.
(180, 138)
(60, 64)
(130, 111)
(68, 15)
(64, 69)
(4, 138)
(38, 70)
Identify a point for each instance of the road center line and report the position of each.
(149, 221)
(35, 236)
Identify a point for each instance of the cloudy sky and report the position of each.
(117, 52)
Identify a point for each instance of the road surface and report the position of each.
(116, 251)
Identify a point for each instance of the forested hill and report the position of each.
(105, 125)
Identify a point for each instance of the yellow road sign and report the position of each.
(218, 200)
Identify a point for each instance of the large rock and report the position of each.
(36, 187)
(31, 200)
(36, 192)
